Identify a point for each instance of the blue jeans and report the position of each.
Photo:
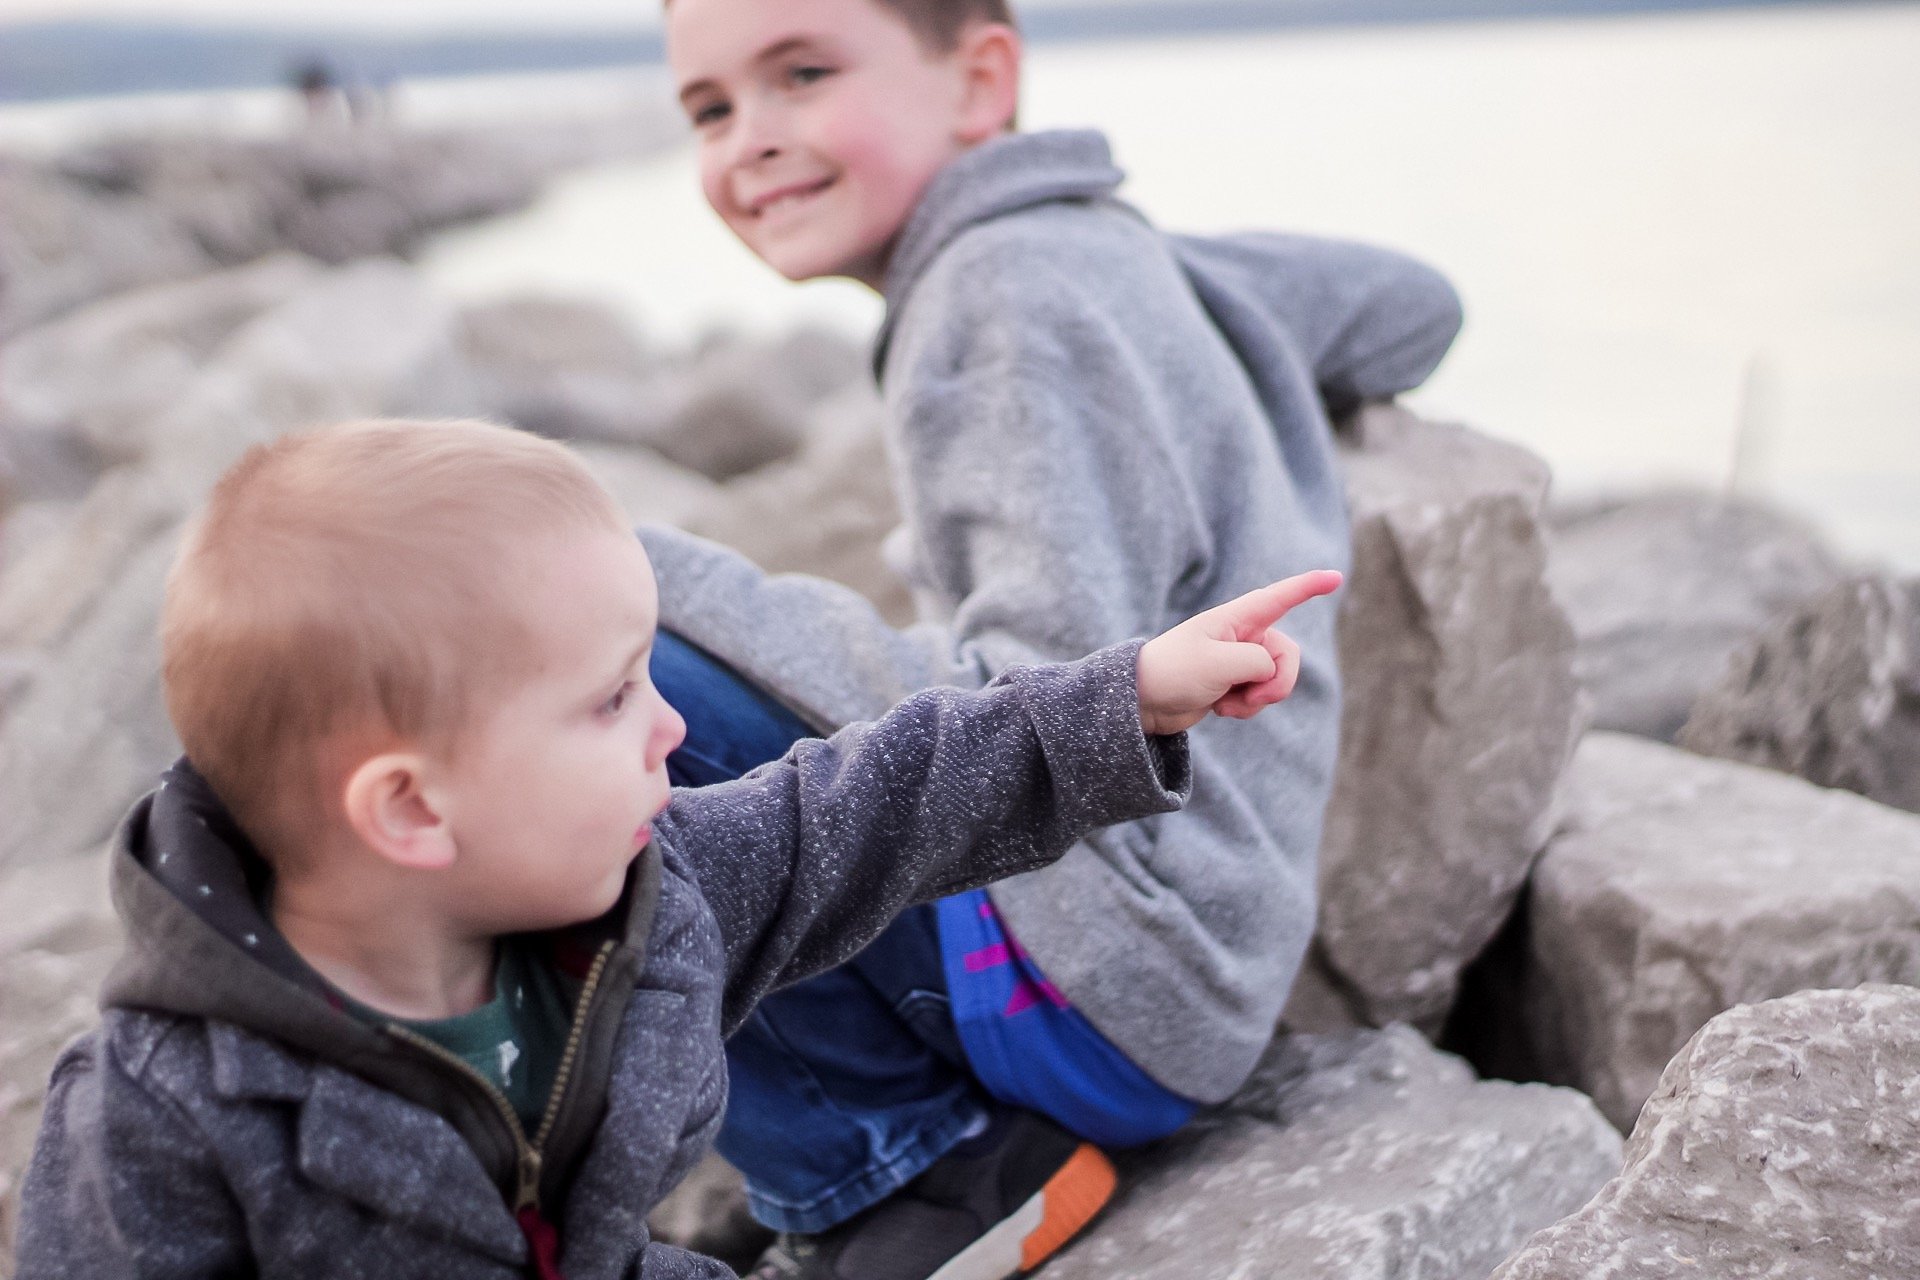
(847, 1085)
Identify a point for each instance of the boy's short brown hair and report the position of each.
(938, 23)
(354, 582)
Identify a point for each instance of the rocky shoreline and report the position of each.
(1544, 925)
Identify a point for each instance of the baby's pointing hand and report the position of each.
(1227, 660)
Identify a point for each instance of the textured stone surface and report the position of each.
(99, 376)
(1460, 714)
(138, 211)
(738, 405)
(1353, 1156)
(62, 244)
(57, 938)
(647, 486)
(1831, 692)
(1783, 1141)
(87, 731)
(824, 511)
(368, 338)
(1682, 886)
(85, 727)
(565, 368)
(1663, 588)
(575, 371)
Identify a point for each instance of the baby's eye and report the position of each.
(618, 702)
(711, 113)
(800, 76)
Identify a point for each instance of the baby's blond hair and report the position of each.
(356, 584)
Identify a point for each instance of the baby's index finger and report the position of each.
(1265, 606)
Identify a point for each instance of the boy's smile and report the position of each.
(820, 123)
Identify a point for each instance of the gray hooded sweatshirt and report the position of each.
(1095, 430)
(229, 1118)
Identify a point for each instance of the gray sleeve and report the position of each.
(120, 1185)
(821, 644)
(806, 859)
(1370, 322)
(1039, 494)
(1040, 488)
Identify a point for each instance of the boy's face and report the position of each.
(550, 792)
(819, 122)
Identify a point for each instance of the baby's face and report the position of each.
(552, 789)
(819, 122)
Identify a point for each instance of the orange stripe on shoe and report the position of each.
(1071, 1199)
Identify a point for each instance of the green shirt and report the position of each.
(514, 1040)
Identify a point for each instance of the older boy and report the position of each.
(1093, 427)
(428, 971)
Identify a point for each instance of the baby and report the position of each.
(428, 969)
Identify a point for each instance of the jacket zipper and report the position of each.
(528, 1155)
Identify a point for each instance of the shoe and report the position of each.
(998, 1205)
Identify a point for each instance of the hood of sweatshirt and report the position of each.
(1013, 172)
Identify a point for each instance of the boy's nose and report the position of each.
(755, 137)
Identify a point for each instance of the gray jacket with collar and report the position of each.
(1097, 429)
(229, 1119)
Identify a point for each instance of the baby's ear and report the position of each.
(397, 814)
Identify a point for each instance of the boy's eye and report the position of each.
(618, 702)
(711, 113)
(799, 76)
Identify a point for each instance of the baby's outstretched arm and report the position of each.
(1228, 660)
(806, 859)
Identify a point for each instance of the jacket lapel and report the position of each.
(402, 1161)
(370, 1146)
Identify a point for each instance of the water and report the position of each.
(1680, 238)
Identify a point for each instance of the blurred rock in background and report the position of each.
(1663, 587)
(1829, 691)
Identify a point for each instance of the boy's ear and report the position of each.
(395, 813)
(989, 58)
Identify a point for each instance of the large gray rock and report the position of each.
(566, 368)
(1363, 1155)
(137, 211)
(1830, 692)
(1682, 886)
(62, 244)
(740, 404)
(86, 728)
(648, 487)
(58, 937)
(573, 370)
(94, 382)
(1783, 1141)
(1663, 588)
(1460, 715)
(368, 338)
(824, 511)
